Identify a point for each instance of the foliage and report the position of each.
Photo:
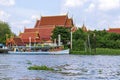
(35, 67)
(99, 51)
(79, 35)
(4, 32)
(92, 42)
(64, 32)
(78, 45)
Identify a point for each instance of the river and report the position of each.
(68, 67)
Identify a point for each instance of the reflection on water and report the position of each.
(68, 67)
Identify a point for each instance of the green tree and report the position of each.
(79, 40)
(79, 34)
(4, 32)
(64, 32)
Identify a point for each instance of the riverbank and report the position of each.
(99, 51)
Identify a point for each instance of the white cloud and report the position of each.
(117, 22)
(35, 17)
(91, 7)
(4, 16)
(74, 3)
(26, 22)
(108, 4)
(7, 2)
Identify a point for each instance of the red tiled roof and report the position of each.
(53, 20)
(27, 35)
(73, 29)
(31, 30)
(37, 23)
(44, 33)
(18, 42)
(69, 23)
(114, 30)
(45, 26)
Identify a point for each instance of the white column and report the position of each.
(29, 41)
(59, 38)
(54, 42)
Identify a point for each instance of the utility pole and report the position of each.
(89, 43)
(71, 41)
(94, 36)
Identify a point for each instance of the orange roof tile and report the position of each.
(37, 23)
(114, 30)
(53, 20)
(27, 35)
(18, 42)
(69, 23)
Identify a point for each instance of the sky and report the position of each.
(95, 14)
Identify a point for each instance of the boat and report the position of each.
(61, 52)
(3, 49)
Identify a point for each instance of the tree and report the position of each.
(4, 32)
(79, 34)
(64, 32)
(79, 40)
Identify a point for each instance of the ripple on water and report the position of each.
(68, 67)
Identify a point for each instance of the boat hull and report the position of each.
(62, 52)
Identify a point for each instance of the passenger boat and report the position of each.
(61, 52)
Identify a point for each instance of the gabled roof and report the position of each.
(61, 20)
(114, 30)
(27, 35)
(18, 41)
(69, 23)
(53, 20)
(37, 23)
(31, 30)
(43, 32)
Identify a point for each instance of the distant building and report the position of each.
(84, 28)
(114, 30)
(42, 31)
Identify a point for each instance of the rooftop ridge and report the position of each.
(55, 15)
(114, 28)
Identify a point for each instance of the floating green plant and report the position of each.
(35, 67)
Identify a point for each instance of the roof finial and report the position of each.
(67, 13)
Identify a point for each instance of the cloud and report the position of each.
(4, 16)
(26, 22)
(117, 22)
(108, 4)
(35, 17)
(74, 3)
(7, 2)
(91, 7)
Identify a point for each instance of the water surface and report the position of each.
(68, 67)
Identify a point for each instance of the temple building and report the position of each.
(42, 31)
(114, 30)
(84, 28)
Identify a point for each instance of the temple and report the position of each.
(114, 30)
(42, 31)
